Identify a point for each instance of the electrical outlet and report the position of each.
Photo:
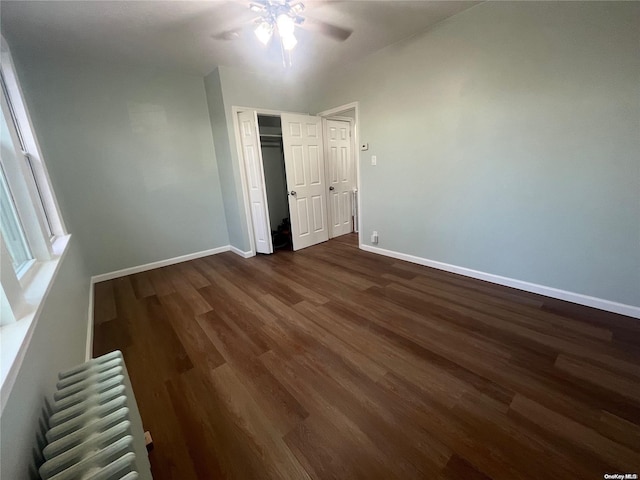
(374, 237)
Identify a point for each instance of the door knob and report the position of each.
(293, 192)
(331, 188)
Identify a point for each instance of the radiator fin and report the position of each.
(95, 431)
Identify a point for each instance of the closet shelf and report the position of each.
(271, 135)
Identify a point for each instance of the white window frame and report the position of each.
(22, 293)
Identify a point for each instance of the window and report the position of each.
(32, 235)
(30, 223)
(33, 170)
(11, 229)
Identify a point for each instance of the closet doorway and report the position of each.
(275, 180)
(299, 177)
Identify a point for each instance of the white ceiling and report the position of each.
(179, 34)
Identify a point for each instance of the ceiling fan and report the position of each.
(279, 19)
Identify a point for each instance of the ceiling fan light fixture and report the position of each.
(285, 25)
(289, 41)
(297, 8)
(264, 32)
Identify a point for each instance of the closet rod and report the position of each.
(271, 135)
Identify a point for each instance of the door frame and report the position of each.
(335, 113)
(243, 174)
(325, 132)
(325, 114)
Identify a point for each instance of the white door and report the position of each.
(304, 164)
(340, 177)
(252, 156)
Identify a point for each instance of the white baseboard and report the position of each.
(89, 348)
(237, 251)
(161, 263)
(615, 307)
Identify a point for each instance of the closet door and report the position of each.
(252, 156)
(304, 164)
(341, 177)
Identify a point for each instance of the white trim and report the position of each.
(16, 337)
(237, 251)
(161, 263)
(339, 109)
(600, 303)
(89, 348)
(266, 111)
(333, 112)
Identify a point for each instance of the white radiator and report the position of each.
(95, 431)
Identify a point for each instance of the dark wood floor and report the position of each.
(336, 363)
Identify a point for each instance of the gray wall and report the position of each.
(508, 142)
(228, 187)
(58, 343)
(131, 156)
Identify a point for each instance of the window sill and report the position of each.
(15, 337)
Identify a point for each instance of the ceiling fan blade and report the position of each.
(235, 33)
(328, 29)
(228, 34)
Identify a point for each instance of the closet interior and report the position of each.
(270, 131)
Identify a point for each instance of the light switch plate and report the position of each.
(374, 160)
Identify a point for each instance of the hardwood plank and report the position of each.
(608, 356)
(458, 468)
(277, 403)
(620, 430)
(304, 292)
(433, 415)
(344, 421)
(127, 304)
(525, 315)
(585, 438)
(187, 291)
(163, 354)
(278, 460)
(237, 315)
(178, 312)
(110, 336)
(266, 283)
(160, 417)
(618, 384)
(142, 286)
(104, 301)
(161, 283)
(220, 447)
(190, 273)
(331, 362)
(314, 320)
